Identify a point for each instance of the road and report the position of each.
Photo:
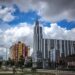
(56, 72)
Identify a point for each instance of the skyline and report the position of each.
(17, 20)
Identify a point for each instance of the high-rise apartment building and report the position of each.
(17, 50)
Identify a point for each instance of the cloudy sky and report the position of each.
(17, 20)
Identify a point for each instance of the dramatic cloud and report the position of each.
(53, 10)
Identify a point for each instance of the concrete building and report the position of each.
(17, 50)
(37, 44)
(1, 58)
(54, 57)
(43, 47)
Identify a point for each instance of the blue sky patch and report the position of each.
(30, 17)
(66, 24)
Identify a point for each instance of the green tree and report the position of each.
(21, 61)
(10, 62)
(0, 64)
(29, 62)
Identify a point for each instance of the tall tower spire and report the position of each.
(37, 22)
(37, 44)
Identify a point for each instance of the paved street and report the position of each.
(57, 72)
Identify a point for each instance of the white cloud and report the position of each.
(8, 17)
(6, 14)
(56, 32)
(24, 32)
